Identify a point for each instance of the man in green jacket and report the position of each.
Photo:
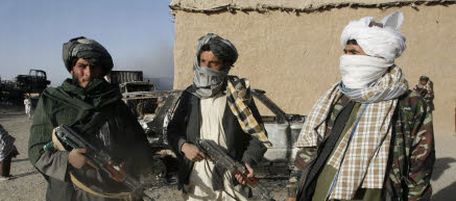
(93, 106)
(369, 137)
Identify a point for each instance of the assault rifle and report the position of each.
(102, 160)
(217, 154)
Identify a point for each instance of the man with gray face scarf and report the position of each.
(211, 109)
(368, 137)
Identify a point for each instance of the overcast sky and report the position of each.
(139, 34)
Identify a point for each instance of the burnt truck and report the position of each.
(141, 96)
(119, 77)
(32, 84)
(35, 82)
(282, 128)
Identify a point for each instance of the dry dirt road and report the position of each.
(29, 185)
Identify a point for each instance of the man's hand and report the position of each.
(56, 142)
(76, 158)
(192, 152)
(241, 178)
(291, 199)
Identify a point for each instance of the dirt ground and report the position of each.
(29, 185)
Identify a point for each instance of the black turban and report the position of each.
(85, 48)
(222, 48)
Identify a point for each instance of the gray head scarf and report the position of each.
(82, 47)
(208, 82)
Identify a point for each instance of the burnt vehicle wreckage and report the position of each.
(282, 128)
(32, 85)
(140, 96)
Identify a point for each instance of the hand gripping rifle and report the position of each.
(100, 159)
(217, 154)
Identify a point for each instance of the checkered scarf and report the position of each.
(6, 144)
(362, 155)
(238, 96)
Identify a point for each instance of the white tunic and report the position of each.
(28, 105)
(200, 185)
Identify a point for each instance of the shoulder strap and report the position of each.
(127, 196)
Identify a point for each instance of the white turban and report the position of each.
(384, 42)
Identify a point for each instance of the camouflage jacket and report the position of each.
(411, 159)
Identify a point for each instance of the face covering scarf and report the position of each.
(369, 79)
(358, 71)
(208, 82)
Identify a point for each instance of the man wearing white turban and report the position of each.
(369, 137)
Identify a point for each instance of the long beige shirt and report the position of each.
(200, 186)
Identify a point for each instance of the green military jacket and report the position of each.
(119, 134)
